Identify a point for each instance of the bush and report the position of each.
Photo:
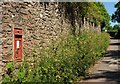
(118, 34)
(65, 61)
(112, 33)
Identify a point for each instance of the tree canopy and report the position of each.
(116, 15)
(95, 12)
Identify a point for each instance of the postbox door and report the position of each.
(18, 49)
(17, 44)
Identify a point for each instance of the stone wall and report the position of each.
(41, 22)
(1, 64)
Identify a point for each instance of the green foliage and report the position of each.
(114, 32)
(65, 61)
(116, 27)
(94, 12)
(109, 28)
(10, 65)
(116, 15)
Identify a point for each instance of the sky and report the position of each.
(110, 9)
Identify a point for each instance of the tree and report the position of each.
(116, 15)
(96, 13)
(103, 17)
(92, 12)
(109, 28)
(116, 27)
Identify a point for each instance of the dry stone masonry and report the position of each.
(1, 64)
(41, 22)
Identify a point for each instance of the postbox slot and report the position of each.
(18, 36)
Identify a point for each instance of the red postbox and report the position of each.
(17, 44)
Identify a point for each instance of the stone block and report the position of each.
(0, 29)
(0, 57)
(0, 42)
(1, 9)
(24, 11)
(13, 10)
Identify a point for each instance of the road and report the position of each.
(107, 70)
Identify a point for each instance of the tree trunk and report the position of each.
(93, 26)
(87, 23)
(84, 22)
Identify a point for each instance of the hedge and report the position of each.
(65, 61)
(112, 33)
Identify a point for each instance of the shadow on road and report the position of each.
(109, 75)
(115, 38)
(113, 54)
(115, 44)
